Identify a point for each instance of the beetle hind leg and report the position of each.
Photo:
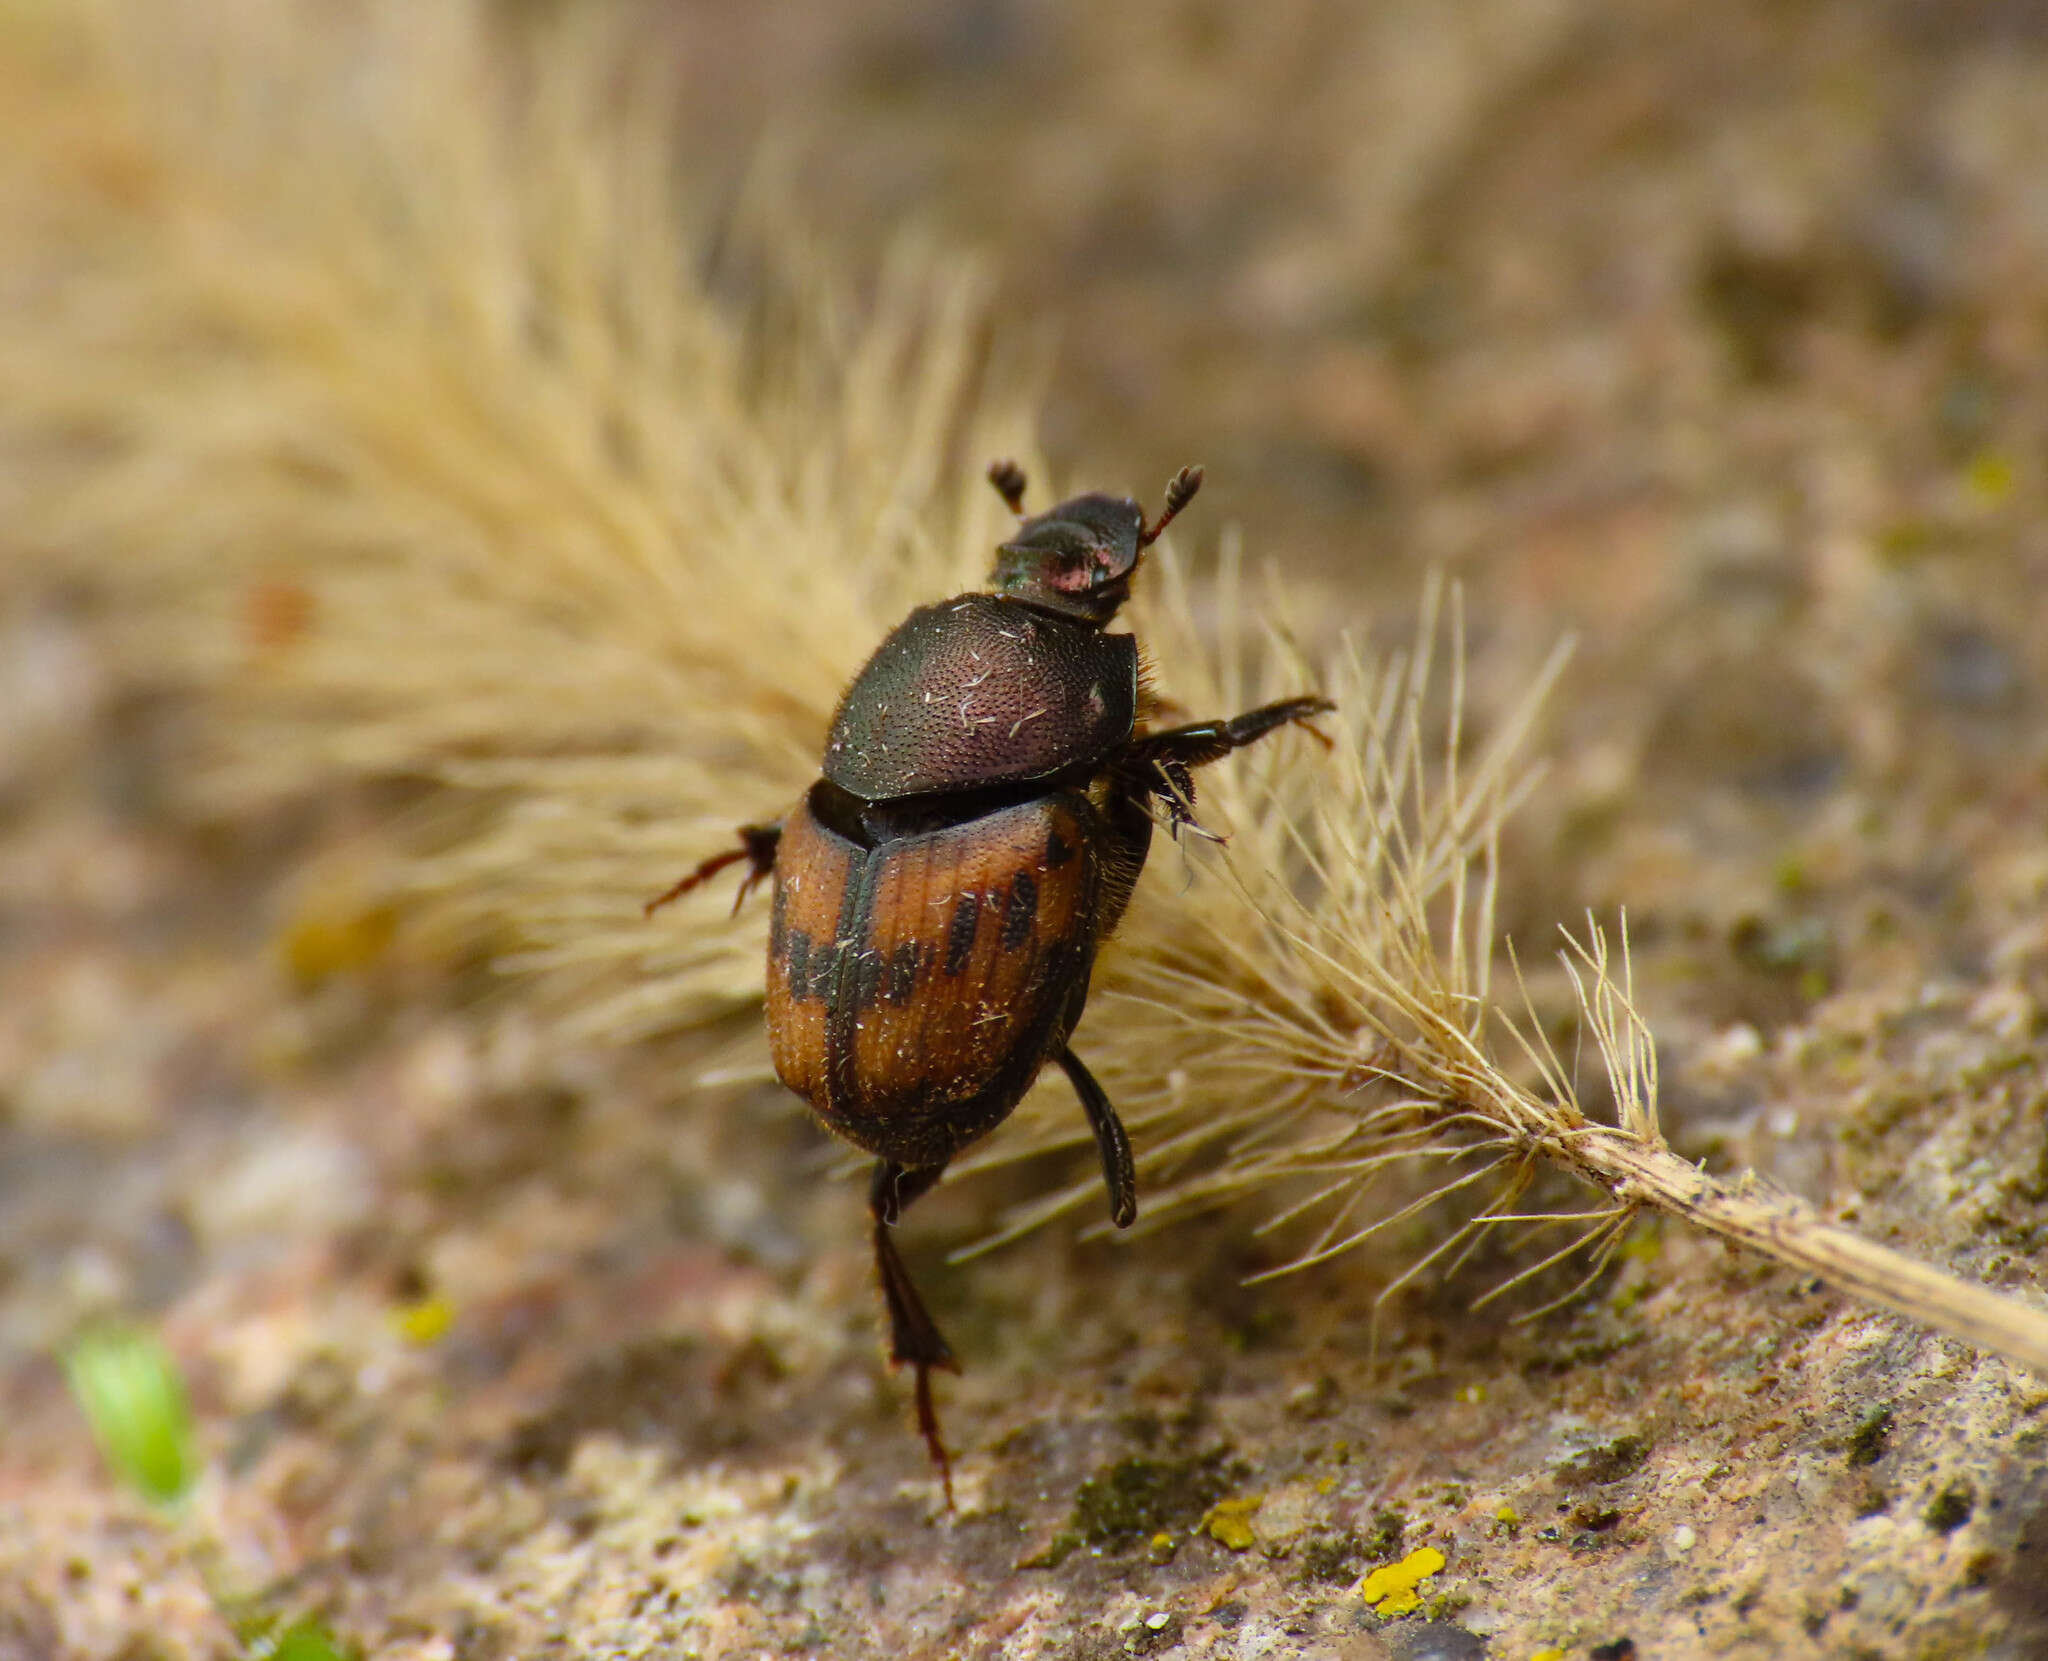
(1119, 1170)
(914, 1338)
(758, 845)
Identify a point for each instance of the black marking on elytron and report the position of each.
(1019, 910)
(1058, 850)
(1061, 961)
(960, 932)
(902, 978)
(798, 966)
(864, 872)
(825, 970)
(869, 968)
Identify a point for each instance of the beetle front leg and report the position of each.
(758, 844)
(1163, 763)
(913, 1336)
(1119, 1170)
(1201, 742)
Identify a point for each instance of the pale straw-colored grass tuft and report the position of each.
(381, 378)
(364, 362)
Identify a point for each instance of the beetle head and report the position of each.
(1079, 557)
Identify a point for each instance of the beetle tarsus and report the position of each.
(1008, 478)
(758, 844)
(914, 1338)
(1119, 1170)
(928, 1427)
(1254, 724)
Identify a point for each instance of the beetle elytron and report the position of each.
(988, 796)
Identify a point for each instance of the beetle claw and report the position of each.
(748, 883)
(1305, 720)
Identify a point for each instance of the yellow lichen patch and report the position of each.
(335, 937)
(1229, 1523)
(1391, 1588)
(1553, 1653)
(1990, 477)
(424, 1321)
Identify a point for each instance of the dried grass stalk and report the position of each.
(359, 358)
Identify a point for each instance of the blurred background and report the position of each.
(1715, 337)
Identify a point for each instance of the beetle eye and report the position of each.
(1077, 575)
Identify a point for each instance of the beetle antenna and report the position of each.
(1180, 490)
(1008, 478)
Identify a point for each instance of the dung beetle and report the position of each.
(989, 791)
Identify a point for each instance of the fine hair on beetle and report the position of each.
(987, 799)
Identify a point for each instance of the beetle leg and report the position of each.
(1175, 795)
(1119, 1171)
(1160, 767)
(758, 844)
(913, 1335)
(1162, 763)
(1202, 742)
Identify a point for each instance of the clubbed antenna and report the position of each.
(1180, 490)
(1008, 478)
